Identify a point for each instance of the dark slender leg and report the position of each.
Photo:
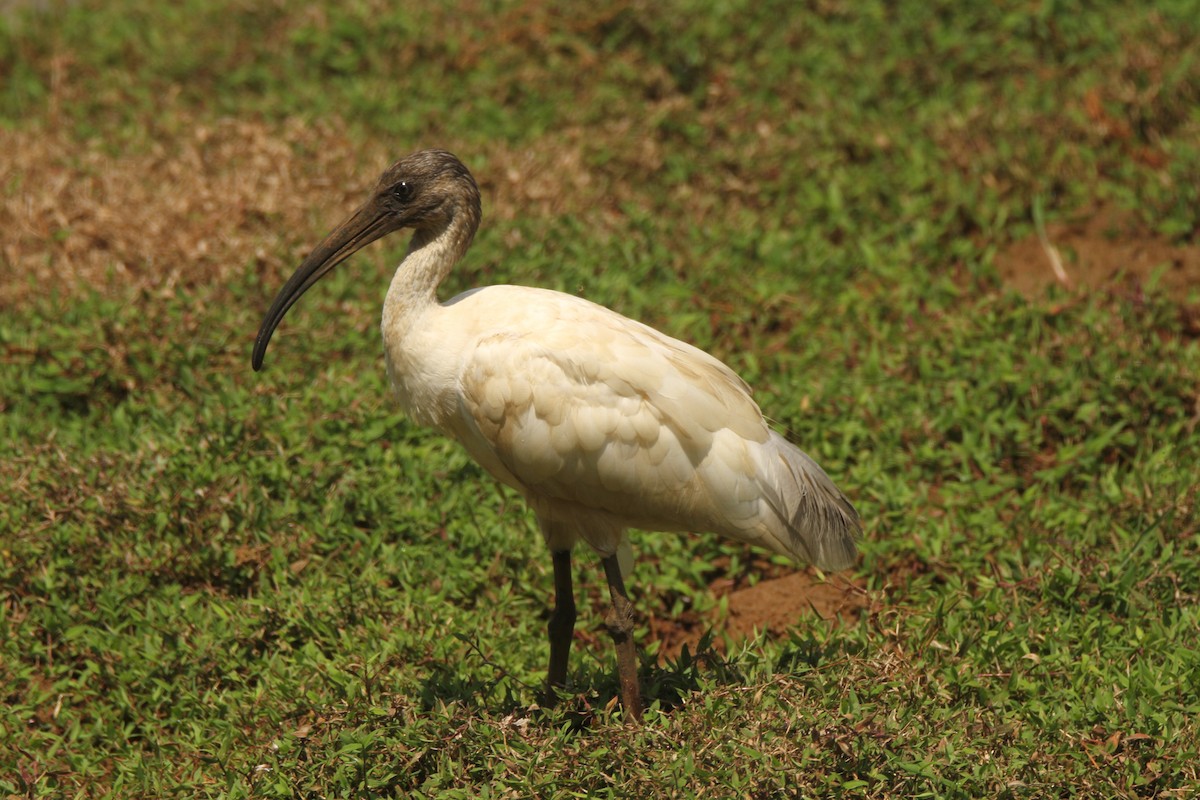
(620, 626)
(561, 626)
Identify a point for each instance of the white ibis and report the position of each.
(601, 422)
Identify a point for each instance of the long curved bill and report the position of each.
(364, 226)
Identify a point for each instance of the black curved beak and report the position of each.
(372, 221)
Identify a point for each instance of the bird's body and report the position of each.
(601, 422)
(604, 423)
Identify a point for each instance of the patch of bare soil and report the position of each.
(1105, 249)
(773, 606)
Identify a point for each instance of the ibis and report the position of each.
(602, 423)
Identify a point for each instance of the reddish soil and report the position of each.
(772, 605)
(1103, 249)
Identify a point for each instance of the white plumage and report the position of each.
(601, 422)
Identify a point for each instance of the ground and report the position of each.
(1102, 251)
(953, 248)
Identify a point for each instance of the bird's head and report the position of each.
(425, 191)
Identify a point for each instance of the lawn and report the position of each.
(221, 583)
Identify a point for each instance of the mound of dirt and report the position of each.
(773, 605)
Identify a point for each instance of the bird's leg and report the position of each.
(620, 626)
(561, 626)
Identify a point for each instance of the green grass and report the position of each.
(221, 583)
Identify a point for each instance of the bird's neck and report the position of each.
(416, 374)
(431, 255)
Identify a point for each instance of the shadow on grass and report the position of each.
(596, 688)
(594, 691)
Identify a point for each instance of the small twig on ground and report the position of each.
(1049, 249)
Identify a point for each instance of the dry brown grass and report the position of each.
(195, 209)
(224, 198)
(196, 201)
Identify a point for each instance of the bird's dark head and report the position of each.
(425, 190)
(428, 191)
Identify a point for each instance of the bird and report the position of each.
(602, 423)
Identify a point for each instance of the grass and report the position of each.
(217, 583)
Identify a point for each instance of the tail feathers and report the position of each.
(813, 521)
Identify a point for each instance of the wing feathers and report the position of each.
(612, 418)
(812, 519)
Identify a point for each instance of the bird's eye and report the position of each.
(402, 191)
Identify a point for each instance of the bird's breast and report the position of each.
(425, 347)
